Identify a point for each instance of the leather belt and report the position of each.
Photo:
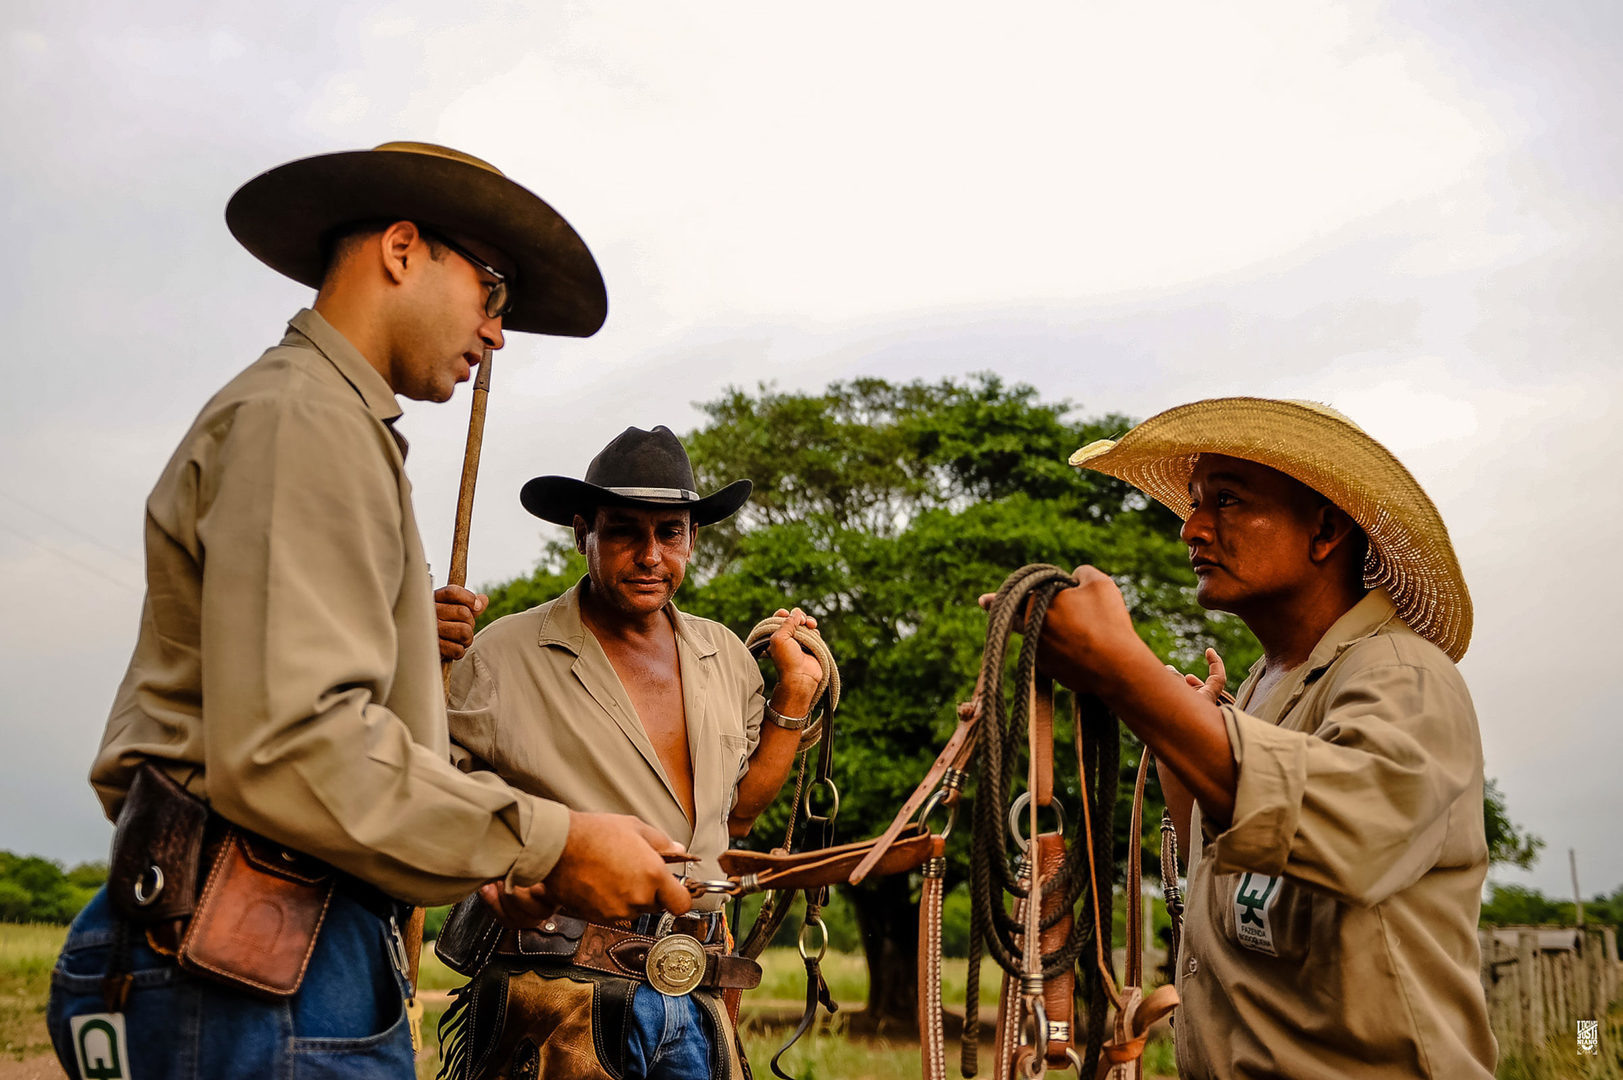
(673, 960)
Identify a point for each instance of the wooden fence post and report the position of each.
(1609, 963)
(1530, 1005)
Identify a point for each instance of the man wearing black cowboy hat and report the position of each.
(277, 757)
(609, 698)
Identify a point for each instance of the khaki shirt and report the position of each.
(1331, 930)
(287, 666)
(537, 700)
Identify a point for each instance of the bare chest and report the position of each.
(652, 678)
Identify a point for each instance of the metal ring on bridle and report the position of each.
(142, 896)
(834, 794)
(934, 803)
(714, 885)
(1019, 805)
(822, 945)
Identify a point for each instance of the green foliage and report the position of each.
(1507, 843)
(1517, 905)
(38, 890)
(433, 919)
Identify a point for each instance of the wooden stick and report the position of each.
(458, 576)
(464, 499)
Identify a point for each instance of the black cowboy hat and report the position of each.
(288, 216)
(639, 468)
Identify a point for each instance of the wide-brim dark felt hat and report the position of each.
(639, 468)
(287, 218)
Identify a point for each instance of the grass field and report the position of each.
(27, 953)
(827, 1053)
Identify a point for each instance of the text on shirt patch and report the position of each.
(1253, 901)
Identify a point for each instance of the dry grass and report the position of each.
(27, 954)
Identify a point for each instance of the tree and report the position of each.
(1508, 844)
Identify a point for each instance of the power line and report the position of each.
(80, 533)
(48, 549)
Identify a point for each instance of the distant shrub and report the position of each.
(39, 890)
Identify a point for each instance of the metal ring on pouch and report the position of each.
(142, 897)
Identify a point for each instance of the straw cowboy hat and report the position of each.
(1409, 551)
(639, 468)
(287, 216)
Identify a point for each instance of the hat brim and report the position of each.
(286, 216)
(559, 498)
(1411, 554)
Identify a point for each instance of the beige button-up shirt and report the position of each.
(1331, 930)
(537, 700)
(287, 666)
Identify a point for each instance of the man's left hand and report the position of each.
(456, 608)
(799, 673)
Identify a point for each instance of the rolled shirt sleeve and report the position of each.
(306, 564)
(1359, 805)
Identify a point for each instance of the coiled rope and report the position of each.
(1089, 864)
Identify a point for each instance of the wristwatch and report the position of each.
(788, 723)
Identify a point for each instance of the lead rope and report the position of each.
(819, 834)
(1015, 944)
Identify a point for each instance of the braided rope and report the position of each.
(812, 642)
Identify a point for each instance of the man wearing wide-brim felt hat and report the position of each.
(1331, 810)
(608, 696)
(285, 688)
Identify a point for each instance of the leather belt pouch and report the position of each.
(256, 923)
(157, 847)
(468, 939)
(558, 938)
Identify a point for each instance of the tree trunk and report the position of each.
(888, 917)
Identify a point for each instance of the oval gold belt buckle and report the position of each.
(675, 964)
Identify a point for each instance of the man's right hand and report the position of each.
(612, 867)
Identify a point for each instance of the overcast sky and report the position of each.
(1409, 211)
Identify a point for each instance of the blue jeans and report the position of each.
(668, 1039)
(346, 1021)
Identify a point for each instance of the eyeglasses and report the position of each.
(499, 300)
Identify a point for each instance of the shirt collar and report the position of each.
(562, 625)
(371, 386)
(1364, 619)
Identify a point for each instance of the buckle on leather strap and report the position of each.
(675, 964)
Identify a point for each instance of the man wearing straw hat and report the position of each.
(277, 756)
(1332, 814)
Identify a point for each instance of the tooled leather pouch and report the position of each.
(468, 939)
(157, 847)
(256, 923)
(557, 938)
